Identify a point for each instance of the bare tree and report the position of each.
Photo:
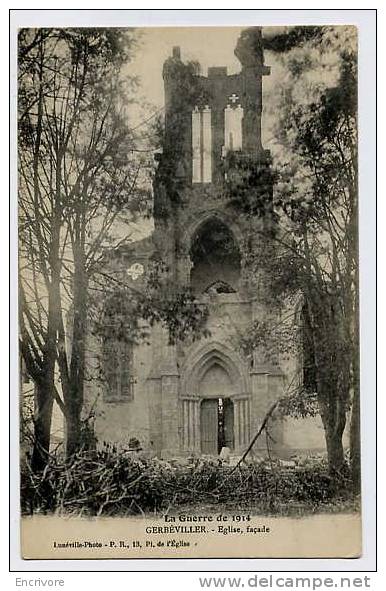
(78, 172)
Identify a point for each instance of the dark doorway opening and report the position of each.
(217, 420)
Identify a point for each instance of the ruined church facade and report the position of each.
(193, 398)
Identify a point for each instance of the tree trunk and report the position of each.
(73, 425)
(335, 453)
(42, 428)
(355, 442)
(334, 422)
(355, 427)
(74, 392)
(332, 372)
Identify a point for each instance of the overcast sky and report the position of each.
(208, 45)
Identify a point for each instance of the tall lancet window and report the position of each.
(233, 125)
(202, 145)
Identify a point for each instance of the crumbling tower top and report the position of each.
(207, 117)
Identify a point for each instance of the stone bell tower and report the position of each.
(205, 229)
(208, 119)
(212, 214)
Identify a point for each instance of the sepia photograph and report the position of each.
(189, 371)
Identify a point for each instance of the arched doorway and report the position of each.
(215, 401)
(216, 425)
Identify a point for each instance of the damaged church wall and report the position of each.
(171, 382)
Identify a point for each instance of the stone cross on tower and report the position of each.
(233, 98)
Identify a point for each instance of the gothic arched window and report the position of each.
(215, 258)
(220, 287)
(117, 361)
(117, 352)
(233, 126)
(202, 145)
